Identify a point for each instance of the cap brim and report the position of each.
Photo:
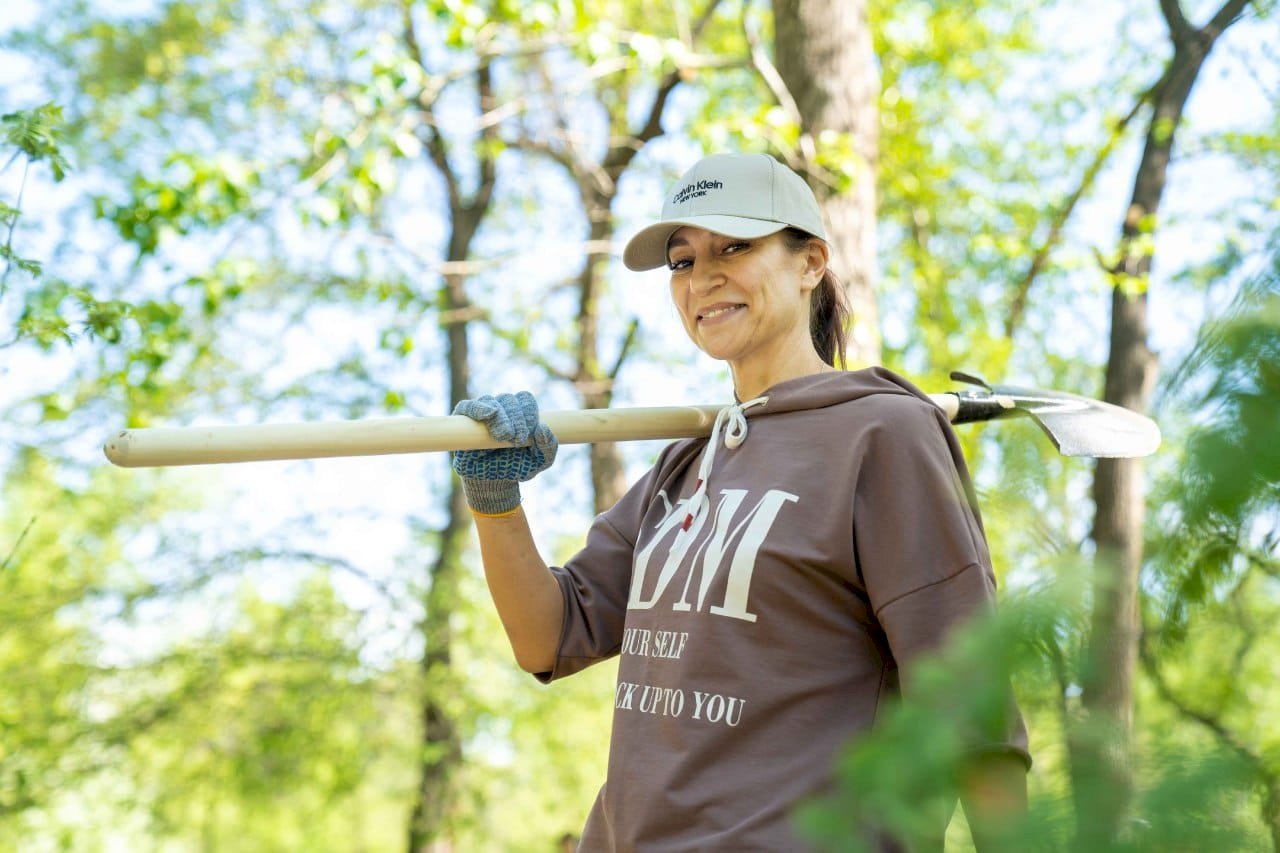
(647, 250)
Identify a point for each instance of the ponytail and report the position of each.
(828, 308)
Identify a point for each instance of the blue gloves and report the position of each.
(490, 478)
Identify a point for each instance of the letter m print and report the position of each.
(734, 539)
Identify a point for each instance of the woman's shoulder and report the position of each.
(869, 391)
(885, 397)
(676, 456)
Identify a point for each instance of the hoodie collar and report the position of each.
(733, 420)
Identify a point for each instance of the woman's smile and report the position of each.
(719, 312)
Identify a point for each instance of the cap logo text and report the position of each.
(695, 190)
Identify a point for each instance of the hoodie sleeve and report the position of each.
(596, 582)
(918, 538)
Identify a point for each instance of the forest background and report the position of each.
(232, 211)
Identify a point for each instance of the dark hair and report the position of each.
(828, 307)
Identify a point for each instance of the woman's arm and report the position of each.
(525, 592)
(993, 790)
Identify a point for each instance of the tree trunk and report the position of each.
(441, 744)
(597, 184)
(594, 383)
(824, 56)
(441, 749)
(1100, 750)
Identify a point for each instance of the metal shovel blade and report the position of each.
(1077, 426)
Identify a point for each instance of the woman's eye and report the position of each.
(678, 264)
(736, 247)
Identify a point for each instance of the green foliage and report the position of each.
(37, 135)
(957, 232)
(902, 778)
(1241, 351)
(1211, 604)
(273, 725)
(1221, 505)
(51, 734)
(267, 729)
(192, 194)
(55, 308)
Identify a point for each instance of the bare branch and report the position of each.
(4, 279)
(571, 155)
(625, 350)
(1215, 725)
(556, 154)
(1224, 17)
(18, 544)
(1178, 26)
(433, 143)
(1018, 304)
(330, 560)
(411, 42)
(550, 368)
(620, 156)
(773, 80)
(488, 157)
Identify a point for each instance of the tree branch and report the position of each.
(1224, 17)
(1215, 726)
(489, 133)
(550, 368)
(304, 556)
(18, 544)
(620, 156)
(8, 265)
(1179, 29)
(778, 87)
(625, 350)
(1018, 305)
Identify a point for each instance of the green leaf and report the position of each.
(37, 133)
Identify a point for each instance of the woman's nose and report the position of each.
(704, 278)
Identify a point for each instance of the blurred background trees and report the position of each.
(239, 210)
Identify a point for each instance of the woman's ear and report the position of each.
(816, 256)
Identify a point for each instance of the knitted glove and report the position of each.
(490, 477)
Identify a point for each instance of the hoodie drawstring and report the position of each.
(734, 422)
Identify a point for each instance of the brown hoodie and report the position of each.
(762, 626)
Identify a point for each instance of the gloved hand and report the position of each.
(490, 477)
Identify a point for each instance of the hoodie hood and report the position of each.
(819, 390)
(804, 393)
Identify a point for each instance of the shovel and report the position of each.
(1077, 426)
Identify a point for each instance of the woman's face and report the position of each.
(742, 300)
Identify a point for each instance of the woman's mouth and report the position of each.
(718, 312)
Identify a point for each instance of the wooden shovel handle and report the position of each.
(162, 446)
(141, 448)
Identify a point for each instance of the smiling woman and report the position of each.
(767, 599)
(746, 302)
(729, 206)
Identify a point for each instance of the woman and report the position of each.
(767, 588)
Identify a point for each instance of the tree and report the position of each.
(441, 748)
(626, 59)
(831, 88)
(1101, 758)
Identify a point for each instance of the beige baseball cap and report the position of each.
(738, 195)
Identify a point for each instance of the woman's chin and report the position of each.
(719, 350)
